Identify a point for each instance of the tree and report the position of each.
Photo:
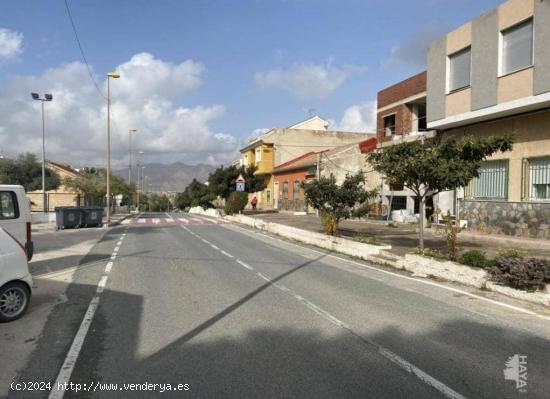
(195, 194)
(27, 172)
(335, 202)
(222, 180)
(158, 203)
(92, 182)
(428, 168)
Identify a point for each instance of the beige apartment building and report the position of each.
(491, 76)
(280, 145)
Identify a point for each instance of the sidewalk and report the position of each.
(404, 237)
(116, 219)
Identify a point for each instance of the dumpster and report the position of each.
(92, 216)
(68, 217)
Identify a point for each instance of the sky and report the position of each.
(200, 77)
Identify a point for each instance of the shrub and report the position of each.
(523, 274)
(367, 240)
(330, 223)
(474, 258)
(236, 202)
(392, 224)
(451, 236)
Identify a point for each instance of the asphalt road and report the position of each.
(235, 314)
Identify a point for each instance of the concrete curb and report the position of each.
(418, 265)
(336, 244)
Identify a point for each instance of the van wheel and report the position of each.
(14, 301)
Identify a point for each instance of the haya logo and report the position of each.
(516, 370)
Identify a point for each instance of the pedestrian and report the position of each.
(254, 202)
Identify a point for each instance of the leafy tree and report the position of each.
(195, 194)
(236, 202)
(92, 182)
(158, 203)
(336, 202)
(222, 180)
(428, 168)
(26, 171)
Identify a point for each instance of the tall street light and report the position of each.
(47, 97)
(138, 178)
(113, 75)
(130, 131)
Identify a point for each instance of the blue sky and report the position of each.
(260, 62)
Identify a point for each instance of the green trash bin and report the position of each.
(68, 217)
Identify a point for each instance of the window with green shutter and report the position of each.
(539, 179)
(492, 183)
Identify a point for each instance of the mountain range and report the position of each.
(169, 177)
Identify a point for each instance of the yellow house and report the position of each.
(280, 145)
(63, 196)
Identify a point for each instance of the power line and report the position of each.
(82, 50)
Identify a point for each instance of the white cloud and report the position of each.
(307, 80)
(358, 118)
(10, 43)
(142, 98)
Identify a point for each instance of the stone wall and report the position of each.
(525, 219)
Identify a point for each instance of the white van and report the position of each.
(15, 215)
(15, 279)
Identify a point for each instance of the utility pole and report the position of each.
(47, 97)
(110, 75)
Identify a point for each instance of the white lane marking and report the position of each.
(215, 247)
(108, 267)
(227, 254)
(200, 221)
(142, 220)
(72, 356)
(388, 354)
(116, 248)
(240, 262)
(156, 220)
(421, 281)
(127, 221)
(169, 220)
(394, 358)
(183, 220)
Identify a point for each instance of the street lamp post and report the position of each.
(47, 97)
(130, 131)
(138, 178)
(110, 75)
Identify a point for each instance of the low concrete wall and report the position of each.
(197, 210)
(523, 219)
(337, 244)
(467, 275)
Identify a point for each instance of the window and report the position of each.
(8, 205)
(268, 194)
(296, 190)
(285, 190)
(389, 125)
(517, 47)
(492, 182)
(459, 69)
(258, 155)
(539, 179)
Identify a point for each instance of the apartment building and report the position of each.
(401, 117)
(338, 162)
(280, 145)
(491, 76)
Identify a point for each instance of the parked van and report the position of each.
(15, 279)
(15, 216)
